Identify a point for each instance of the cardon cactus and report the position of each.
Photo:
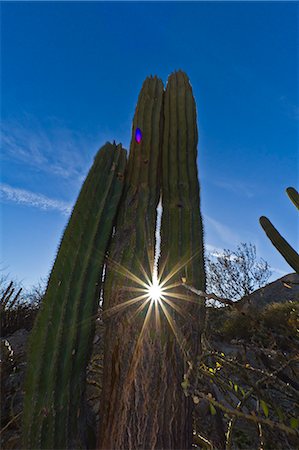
(182, 228)
(182, 250)
(284, 248)
(132, 250)
(61, 340)
(148, 340)
(143, 404)
(293, 195)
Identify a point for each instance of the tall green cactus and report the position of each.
(182, 228)
(284, 248)
(61, 341)
(131, 245)
(182, 240)
(143, 404)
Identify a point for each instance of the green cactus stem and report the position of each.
(279, 242)
(284, 248)
(182, 241)
(61, 340)
(182, 228)
(293, 195)
(125, 402)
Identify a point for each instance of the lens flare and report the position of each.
(155, 290)
(138, 135)
(157, 294)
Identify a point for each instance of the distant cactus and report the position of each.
(61, 340)
(293, 195)
(284, 248)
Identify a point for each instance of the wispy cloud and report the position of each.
(24, 197)
(220, 253)
(226, 234)
(238, 187)
(213, 250)
(51, 147)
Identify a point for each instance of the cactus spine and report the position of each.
(131, 245)
(279, 242)
(61, 341)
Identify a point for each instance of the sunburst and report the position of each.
(155, 289)
(158, 295)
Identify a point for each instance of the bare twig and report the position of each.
(10, 422)
(240, 305)
(252, 418)
(202, 441)
(245, 398)
(226, 301)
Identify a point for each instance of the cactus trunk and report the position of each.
(128, 399)
(61, 341)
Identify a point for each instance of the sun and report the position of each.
(157, 294)
(155, 290)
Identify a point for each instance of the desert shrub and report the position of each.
(237, 326)
(229, 324)
(17, 311)
(215, 318)
(282, 317)
(16, 318)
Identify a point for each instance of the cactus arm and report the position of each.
(284, 248)
(293, 195)
(74, 282)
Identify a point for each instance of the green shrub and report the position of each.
(237, 326)
(282, 317)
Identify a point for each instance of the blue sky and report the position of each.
(71, 74)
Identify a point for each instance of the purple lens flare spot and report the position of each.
(138, 135)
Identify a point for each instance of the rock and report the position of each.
(284, 289)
